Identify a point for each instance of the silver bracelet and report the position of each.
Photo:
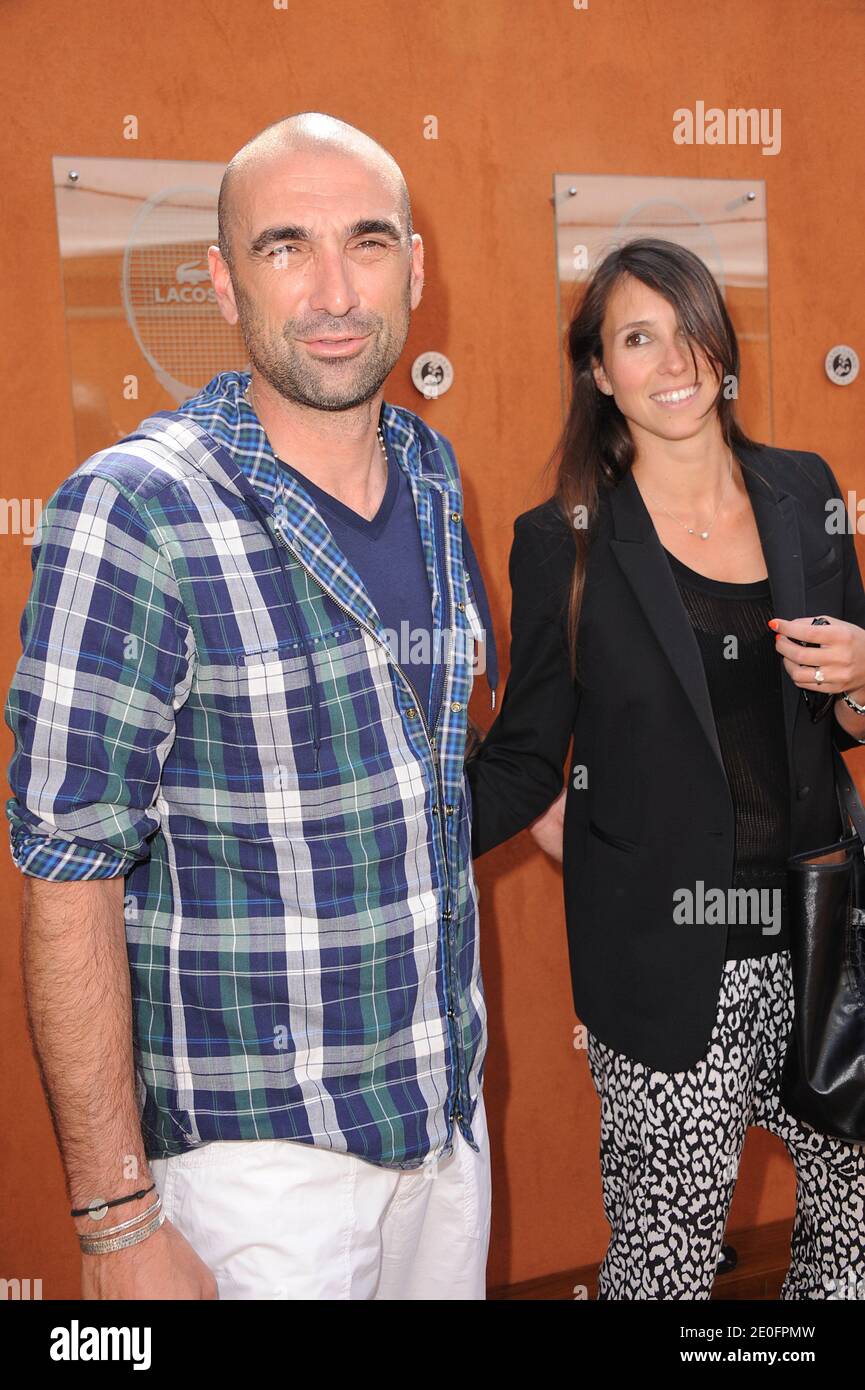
(107, 1247)
(124, 1225)
(848, 700)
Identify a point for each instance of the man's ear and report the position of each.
(220, 277)
(417, 270)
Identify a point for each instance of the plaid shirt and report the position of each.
(206, 704)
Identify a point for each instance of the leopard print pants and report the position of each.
(671, 1144)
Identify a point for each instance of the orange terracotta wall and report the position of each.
(521, 89)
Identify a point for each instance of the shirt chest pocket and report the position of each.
(257, 716)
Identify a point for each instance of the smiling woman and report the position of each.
(644, 591)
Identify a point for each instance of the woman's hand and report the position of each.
(840, 654)
(549, 829)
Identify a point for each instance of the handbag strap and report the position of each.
(848, 797)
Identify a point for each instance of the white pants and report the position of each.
(274, 1218)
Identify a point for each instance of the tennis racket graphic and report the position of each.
(168, 299)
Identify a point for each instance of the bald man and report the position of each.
(239, 798)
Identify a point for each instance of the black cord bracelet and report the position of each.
(98, 1204)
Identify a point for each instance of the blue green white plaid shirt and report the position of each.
(206, 704)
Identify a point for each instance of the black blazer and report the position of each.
(656, 814)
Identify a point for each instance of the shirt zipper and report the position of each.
(430, 738)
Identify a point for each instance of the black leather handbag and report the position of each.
(823, 1075)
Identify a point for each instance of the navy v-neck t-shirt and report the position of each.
(387, 553)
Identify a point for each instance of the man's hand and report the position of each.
(76, 971)
(549, 829)
(164, 1266)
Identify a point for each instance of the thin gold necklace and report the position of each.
(704, 535)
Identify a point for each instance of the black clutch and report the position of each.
(823, 1075)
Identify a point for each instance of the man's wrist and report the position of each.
(124, 1239)
(91, 1224)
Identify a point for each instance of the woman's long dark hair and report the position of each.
(596, 448)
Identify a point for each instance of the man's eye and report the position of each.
(280, 250)
(379, 244)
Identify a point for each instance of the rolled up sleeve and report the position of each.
(107, 660)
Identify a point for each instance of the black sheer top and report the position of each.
(744, 673)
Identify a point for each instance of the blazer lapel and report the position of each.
(776, 514)
(639, 552)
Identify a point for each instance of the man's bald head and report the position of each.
(307, 131)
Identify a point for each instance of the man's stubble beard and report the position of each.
(298, 380)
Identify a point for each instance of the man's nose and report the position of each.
(332, 290)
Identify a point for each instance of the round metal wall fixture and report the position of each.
(432, 374)
(842, 364)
